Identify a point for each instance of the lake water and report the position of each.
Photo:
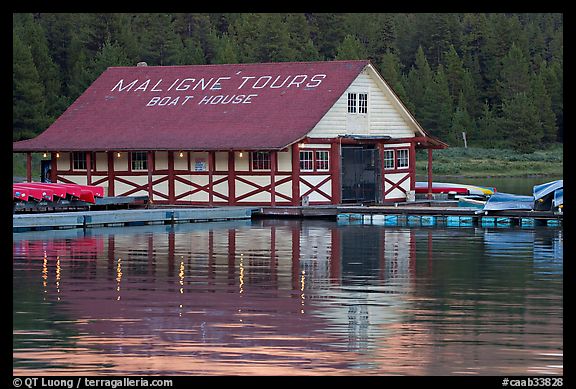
(288, 297)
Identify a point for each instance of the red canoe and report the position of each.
(20, 194)
(36, 193)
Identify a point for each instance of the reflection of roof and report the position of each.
(199, 107)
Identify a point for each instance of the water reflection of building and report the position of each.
(217, 274)
(284, 290)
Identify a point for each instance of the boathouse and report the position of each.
(238, 134)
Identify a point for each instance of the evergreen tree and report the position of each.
(351, 48)
(454, 73)
(488, 134)
(273, 39)
(32, 34)
(514, 76)
(520, 123)
(244, 31)
(462, 122)
(110, 54)
(543, 104)
(328, 30)
(159, 43)
(419, 78)
(28, 108)
(392, 73)
(192, 53)
(435, 113)
(301, 38)
(226, 50)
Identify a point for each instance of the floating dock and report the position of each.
(419, 214)
(405, 214)
(126, 217)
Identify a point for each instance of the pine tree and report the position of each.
(351, 48)
(520, 123)
(435, 113)
(461, 122)
(273, 39)
(159, 43)
(28, 108)
(418, 79)
(33, 36)
(514, 76)
(226, 50)
(301, 39)
(328, 30)
(543, 104)
(454, 73)
(392, 73)
(488, 133)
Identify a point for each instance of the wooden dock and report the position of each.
(125, 217)
(424, 213)
(406, 214)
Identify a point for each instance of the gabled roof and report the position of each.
(199, 107)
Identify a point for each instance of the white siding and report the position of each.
(384, 117)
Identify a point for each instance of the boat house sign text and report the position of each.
(178, 92)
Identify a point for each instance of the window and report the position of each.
(79, 160)
(388, 159)
(306, 161)
(351, 102)
(357, 102)
(139, 160)
(322, 160)
(362, 102)
(260, 160)
(402, 158)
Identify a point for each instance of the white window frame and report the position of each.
(306, 160)
(138, 161)
(389, 160)
(322, 160)
(257, 157)
(402, 158)
(362, 103)
(79, 163)
(352, 104)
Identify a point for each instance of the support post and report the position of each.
(273, 167)
(336, 173)
(429, 174)
(88, 168)
(28, 167)
(150, 157)
(211, 169)
(295, 175)
(171, 183)
(53, 167)
(231, 179)
(110, 155)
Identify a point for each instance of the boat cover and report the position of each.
(501, 201)
(558, 197)
(544, 189)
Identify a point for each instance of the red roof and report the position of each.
(199, 107)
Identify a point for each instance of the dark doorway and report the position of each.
(360, 174)
(45, 170)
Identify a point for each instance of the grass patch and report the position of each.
(480, 162)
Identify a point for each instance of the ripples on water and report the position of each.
(288, 298)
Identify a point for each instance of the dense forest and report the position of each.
(497, 77)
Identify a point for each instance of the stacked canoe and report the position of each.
(35, 192)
